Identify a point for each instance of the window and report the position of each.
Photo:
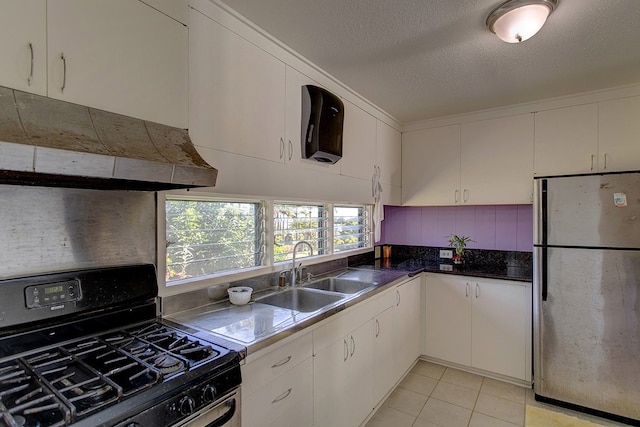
(350, 228)
(207, 237)
(293, 223)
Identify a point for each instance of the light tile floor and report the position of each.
(432, 395)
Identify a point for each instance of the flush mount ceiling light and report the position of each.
(515, 21)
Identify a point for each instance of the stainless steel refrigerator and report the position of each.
(587, 293)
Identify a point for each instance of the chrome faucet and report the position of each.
(294, 269)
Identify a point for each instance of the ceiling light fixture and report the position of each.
(515, 21)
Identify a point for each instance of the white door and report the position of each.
(407, 325)
(383, 352)
(448, 319)
(619, 134)
(501, 327)
(431, 167)
(358, 142)
(23, 43)
(119, 55)
(237, 92)
(566, 140)
(496, 163)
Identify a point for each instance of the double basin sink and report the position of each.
(307, 298)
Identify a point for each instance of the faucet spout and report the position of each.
(294, 269)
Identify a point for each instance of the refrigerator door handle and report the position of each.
(543, 273)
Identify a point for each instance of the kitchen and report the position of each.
(414, 178)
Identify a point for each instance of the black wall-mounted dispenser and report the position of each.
(322, 122)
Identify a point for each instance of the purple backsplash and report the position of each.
(503, 227)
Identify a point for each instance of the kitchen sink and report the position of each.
(336, 284)
(300, 299)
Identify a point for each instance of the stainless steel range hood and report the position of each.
(46, 142)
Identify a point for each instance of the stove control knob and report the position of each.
(208, 393)
(186, 405)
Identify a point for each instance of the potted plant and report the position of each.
(459, 243)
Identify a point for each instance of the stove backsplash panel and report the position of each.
(45, 229)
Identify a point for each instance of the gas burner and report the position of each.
(168, 364)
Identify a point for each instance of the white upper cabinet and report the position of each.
(358, 143)
(619, 135)
(497, 161)
(292, 148)
(236, 92)
(566, 140)
(431, 166)
(118, 55)
(23, 43)
(389, 154)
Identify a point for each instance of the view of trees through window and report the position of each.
(350, 228)
(206, 237)
(293, 223)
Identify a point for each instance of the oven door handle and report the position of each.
(226, 417)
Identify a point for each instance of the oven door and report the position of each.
(224, 412)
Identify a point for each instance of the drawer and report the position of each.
(259, 372)
(278, 399)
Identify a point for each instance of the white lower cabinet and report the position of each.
(406, 326)
(342, 380)
(277, 387)
(480, 323)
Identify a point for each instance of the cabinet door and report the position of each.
(407, 325)
(448, 319)
(566, 140)
(342, 380)
(619, 134)
(431, 167)
(383, 354)
(236, 90)
(119, 55)
(23, 44)
(358, 142)
(497, 161)
(501, 327)
(389, 154)
(292, 149)
(279, 400)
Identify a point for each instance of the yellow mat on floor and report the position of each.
(540, 417)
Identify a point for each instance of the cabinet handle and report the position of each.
(592, 160)
(64, 72)
(290, 150)
(282, 362)
(455, 197)
(282, 396)
(353, 346)
(465, 195)
(477, 290)
(346, 350)
(377, 328)
(466, 293)
(30, 78)
(281, 148)
(605, 161)
(398, 297)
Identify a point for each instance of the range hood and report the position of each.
(47, 142)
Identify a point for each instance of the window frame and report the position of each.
(269, 263)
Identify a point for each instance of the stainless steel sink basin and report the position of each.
(336, 284)
(300, 300)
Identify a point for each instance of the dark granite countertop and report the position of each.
(517, 266)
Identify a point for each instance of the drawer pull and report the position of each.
(282, 396)
(282, 362)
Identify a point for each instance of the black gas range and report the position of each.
(86, 348)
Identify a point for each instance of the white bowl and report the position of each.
(239, 295)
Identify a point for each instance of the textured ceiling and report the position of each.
(421, 59)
